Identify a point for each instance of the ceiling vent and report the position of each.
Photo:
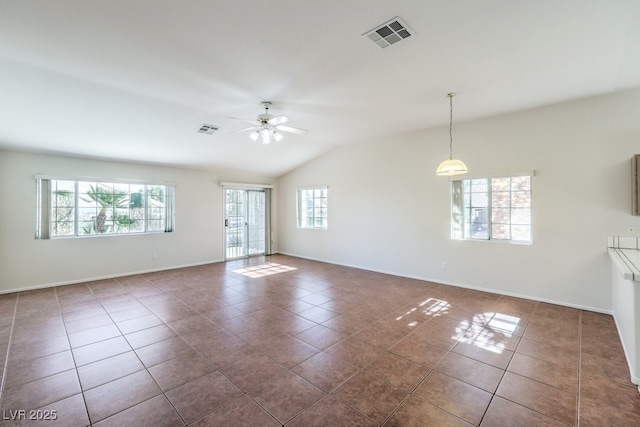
(389, 33)
(208, 129)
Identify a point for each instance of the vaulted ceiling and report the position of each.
(135, 80)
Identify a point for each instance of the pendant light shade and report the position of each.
(451, 166)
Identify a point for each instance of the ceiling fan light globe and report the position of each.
(451, 167)
(277, 136)
(266, 138)
(254, 135)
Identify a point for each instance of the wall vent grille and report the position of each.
(207, 129)
(389, 33)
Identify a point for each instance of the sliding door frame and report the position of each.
(267, 189)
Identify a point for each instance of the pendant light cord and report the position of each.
(451, 166)
(451, 95)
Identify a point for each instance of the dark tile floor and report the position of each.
(281, 340)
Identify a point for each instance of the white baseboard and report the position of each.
(110, 276)
(393, 273)
(460, 285)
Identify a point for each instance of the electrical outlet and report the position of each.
(154, 256)
(444, 265)
(631, 229)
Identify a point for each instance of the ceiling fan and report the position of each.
(267, 126)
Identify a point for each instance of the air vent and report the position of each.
(208, 129)
(389, 33)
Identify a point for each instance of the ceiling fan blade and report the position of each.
(245, 129)
(292, 130)
(253, 122)
(274, 121)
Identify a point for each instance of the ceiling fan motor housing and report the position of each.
(264, 118)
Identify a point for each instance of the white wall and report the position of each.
(27, 263)
(389, 212)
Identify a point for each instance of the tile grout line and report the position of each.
(98, 300)
(59, 297)
(504, 372)
(533, 379)
(163, 392)
(325, 393)
(410, 394)
(10, 339)
(244, 393)
(75, 366)
(579, 368)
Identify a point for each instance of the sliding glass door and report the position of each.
(245, 222)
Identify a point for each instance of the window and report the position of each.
(495, 208)
(312, 207)
(71, 208)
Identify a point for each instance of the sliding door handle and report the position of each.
(226, 222)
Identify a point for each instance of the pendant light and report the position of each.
(451, 166)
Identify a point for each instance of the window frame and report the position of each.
(46, 207)
(301, 210)
(459, 221)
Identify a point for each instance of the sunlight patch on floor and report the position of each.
(426, 308)
(262, 270)
(489, 331)
(505, 323)
(433, 306)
